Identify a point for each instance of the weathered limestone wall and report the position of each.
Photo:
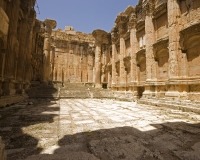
(152, 52)
(73, 58)
(163, 39)
(16, 39)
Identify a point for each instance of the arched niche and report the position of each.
(162, 57)
(141, 63)
(192, 47)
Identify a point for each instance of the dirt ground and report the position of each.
(78, 129)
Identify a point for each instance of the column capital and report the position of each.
(132, 21)
(50, 24)
(114, 35)
(148, 8)
(100, 36)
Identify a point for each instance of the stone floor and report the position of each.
(80, 129)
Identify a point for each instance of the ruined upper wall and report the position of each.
(72, 36)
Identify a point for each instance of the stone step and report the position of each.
(186, 107)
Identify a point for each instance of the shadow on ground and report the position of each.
(17, 120)
(176, 141)
(29, 129)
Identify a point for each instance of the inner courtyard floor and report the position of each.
(106, 129)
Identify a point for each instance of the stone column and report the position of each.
(150, 40)
(49, 25)
(114, 37)
(98, 65)
(90, 66)
(174, 37)
(100, 38)
(122, 67)
(134, 44)
(114, 54)
(28, 66)
(174, 46)
(13, 14)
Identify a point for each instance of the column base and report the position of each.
(98, 85)
(8, 88)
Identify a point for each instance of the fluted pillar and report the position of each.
(49, 25)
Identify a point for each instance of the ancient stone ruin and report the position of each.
(151, 55)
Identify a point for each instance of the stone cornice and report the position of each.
(160, 10)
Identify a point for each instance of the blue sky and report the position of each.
(83, 15)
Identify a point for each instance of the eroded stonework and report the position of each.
(152, 52)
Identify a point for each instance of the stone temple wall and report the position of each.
(155, 50)
(16, 48)
(72, 57)
(152, 52)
